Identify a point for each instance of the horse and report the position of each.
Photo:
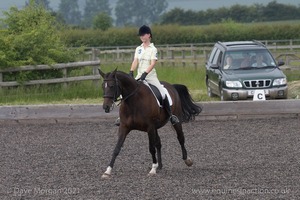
(139, 110)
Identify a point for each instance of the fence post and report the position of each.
(95, 68)
(65, 75)
(1, 79)
(118, 53)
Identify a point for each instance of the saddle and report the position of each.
(157, 94)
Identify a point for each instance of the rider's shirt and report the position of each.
(144, 56)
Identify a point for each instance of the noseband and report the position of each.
(118, 91)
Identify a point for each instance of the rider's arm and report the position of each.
(151, 66)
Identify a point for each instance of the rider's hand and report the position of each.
(143, 76)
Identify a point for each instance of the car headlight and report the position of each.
(233, 84)
(279, 81)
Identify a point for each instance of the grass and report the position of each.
(87, 92)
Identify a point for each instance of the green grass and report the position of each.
(48, 94)
(87, 92)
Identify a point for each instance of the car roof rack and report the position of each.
(259, 43)
(240, 43)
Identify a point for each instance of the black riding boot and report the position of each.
(173, 119)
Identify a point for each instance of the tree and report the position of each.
(70, 12)
(102, 21)
(44, 3)
(93, 8)
(31, 38)
(139, 12)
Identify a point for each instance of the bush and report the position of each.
(31, 38)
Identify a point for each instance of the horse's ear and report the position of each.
(101, 73)
(114, 72)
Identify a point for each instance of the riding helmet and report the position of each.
(144, 30)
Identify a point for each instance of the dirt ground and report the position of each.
(237, 159)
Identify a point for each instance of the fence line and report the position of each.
(65, 79)
(191, 54)
(184, 54)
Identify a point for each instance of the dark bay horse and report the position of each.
(139, 110)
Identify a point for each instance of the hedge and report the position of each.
(175, 34)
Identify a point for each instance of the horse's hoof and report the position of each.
(151, 174)
(188, 162)
(106, 176)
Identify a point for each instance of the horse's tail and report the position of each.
(189, 108)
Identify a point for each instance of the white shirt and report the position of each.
(144, 56)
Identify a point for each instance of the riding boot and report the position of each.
(173, 119)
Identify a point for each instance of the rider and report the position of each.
(145, 58)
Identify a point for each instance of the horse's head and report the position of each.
(111, 89)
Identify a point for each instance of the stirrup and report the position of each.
(117, 122)
(174, 120)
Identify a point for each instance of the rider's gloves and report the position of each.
(130, 73)
(143, 76)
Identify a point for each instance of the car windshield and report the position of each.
(248, 59)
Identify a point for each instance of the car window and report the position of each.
(250, 58)
(217, 58)
(212, 54)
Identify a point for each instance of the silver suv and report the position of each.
(235, 70)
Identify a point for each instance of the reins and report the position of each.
(132, 93)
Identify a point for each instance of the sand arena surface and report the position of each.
(236, 159)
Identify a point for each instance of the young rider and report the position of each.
(144, 61)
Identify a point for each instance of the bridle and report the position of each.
(118, 91)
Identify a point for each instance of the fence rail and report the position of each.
(65, 79)
(183, 55)
(192, 54)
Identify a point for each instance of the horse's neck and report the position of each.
(128, 85)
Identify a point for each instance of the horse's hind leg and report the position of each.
(158, 148)
(180, 136)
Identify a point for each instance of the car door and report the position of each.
(215, 71)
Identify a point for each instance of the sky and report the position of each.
(184, 4)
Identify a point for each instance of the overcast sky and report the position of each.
(184, 4)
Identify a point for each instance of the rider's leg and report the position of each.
(173, 119)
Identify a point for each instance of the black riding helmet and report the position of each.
(144, 30)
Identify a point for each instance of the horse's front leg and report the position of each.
(154, 143)
(123, 132)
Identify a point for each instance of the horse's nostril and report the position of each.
(106, 109)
